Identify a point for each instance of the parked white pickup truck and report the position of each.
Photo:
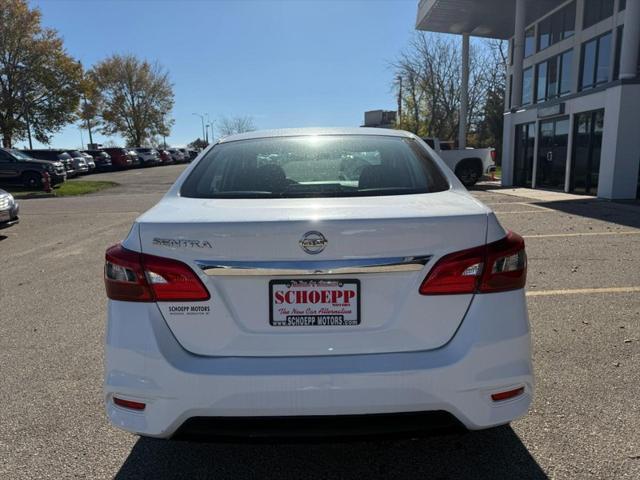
(468, 164)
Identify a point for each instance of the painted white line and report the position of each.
(522, 211)
(583, 234)
(582, 291)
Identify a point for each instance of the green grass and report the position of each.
(67, 189)
(82, 187)
(498, 172)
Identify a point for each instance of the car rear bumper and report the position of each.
(490, 353)
(13, 217)
(57, 178)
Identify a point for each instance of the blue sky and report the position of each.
(286, 63)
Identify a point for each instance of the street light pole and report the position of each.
(29, 129)
(202, 120)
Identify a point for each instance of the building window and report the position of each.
(616, 60)
(596, 61)
(541, 82)
(557, 26)
(527, 86)
(529, 42)
(553, 77)
(622, 5)
(596, 11)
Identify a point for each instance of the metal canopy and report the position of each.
(479, 18)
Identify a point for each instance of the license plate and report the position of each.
(307, 303)
(5, 215)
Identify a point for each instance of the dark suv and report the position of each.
(17, 167)
(101, 159)
(54, 156)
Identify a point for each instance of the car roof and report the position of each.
(296, 132)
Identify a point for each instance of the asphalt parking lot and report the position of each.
(584, 303)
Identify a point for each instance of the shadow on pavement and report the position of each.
(495, 453)
(621, 213)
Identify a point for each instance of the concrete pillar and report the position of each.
(570, 147)
(620, 157)
(630, 40)
(518, 52)
(508, 153)
(464, 93)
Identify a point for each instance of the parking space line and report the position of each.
(583, 234)
(582, 291)
(524, 211)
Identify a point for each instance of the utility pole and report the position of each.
(202, 120)
(399, 100)
(88, 121)
(29, 128)
(164, 129)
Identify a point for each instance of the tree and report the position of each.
(135, 98)
(198, 144)
(429, 71)
(38, 81)
(231, 126)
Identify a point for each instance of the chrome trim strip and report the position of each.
(303, 267)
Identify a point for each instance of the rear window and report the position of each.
(314, 166)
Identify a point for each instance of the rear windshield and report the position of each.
(314, 166)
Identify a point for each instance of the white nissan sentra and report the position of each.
(307, 275)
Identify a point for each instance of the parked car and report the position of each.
(192, 155)
(135, 160)
(177, 155)
(101, 159)
(120, 157)
(185, 154)
(19, 168)
(9, 209)
(90, 161)
(165, 157)
(469, 164)
(54, 156)
(149, 157)
(79, 161)
(291, 288)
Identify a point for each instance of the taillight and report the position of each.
(496, 267)
(493, 155)
(139, 277)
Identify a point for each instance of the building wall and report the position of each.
(620, 158)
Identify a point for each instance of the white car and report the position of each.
(147, 156)
(177, 155)
(469, 164)
(312, 275)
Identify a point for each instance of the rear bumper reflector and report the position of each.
(500, 396)
(130, 404)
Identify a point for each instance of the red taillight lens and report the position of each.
(130, 404)
(455, 273)
(138, 277)
(506, 266)
(500, 396)
(493, 155)
(496, 267)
